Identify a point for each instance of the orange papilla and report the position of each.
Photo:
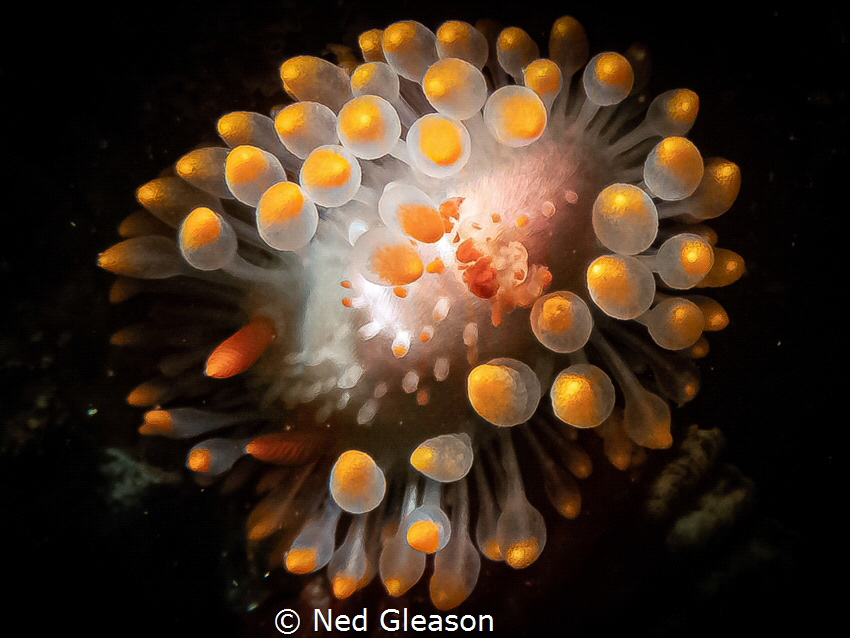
(199, 460)
(399, 37)
(239, 352)
(370, 45)
(281, 203)
(142, 223)
(683, 106)
(287, 448)
(343, 586)
(542, 76)
(613, 68)
(157, 422)
(424, 536)
(123, 289)
(145, 395)
(202, 227)
(245, 163)
(397, 264)
(121, 259)
(421, 222)
(291, 120)
(325, 168)
(440, 141)
(236, 127)
(453, 31)
(362, 76)
(522, 117)
(299, 71)
(363, 122)
(728, 268)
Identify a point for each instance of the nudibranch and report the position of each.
(362, 300)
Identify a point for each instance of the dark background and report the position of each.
(98, 102)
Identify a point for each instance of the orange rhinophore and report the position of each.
(241, 351)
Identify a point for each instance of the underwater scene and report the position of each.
(408, 318)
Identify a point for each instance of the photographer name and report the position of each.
(400, 620)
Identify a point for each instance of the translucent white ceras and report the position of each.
(370, 291)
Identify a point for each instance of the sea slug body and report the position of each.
(364, 298)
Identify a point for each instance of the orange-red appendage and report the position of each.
(239, 352)
(287, 448)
